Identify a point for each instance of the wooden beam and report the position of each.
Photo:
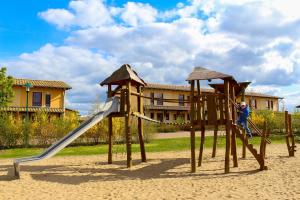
(219, 106)
(127, 124)
(228, 125)
(140, 124)
(291, 136)
(233, 135)
(192, 116)
(110, 130)
(215, 141)
(201, 146)
(262, 147)
(198, 102)
(244, 144)
(287, 132)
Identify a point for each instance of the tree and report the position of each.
(6, 91)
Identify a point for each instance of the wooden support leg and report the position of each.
(141, 140)
(215, 142)
(201, 145)
(110, 131)
(227, 151)
(193, 153)
(291, 136)
(127, 125)
(140, 125)
(244, 144)
(262, 148)
(233, 147)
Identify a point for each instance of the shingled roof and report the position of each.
(42, 83)
(186, 88)
(123, 74)
(201, 73)
(174, 87)
(238, 87)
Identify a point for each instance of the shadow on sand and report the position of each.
(77, 174)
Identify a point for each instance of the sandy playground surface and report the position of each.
(165, 176)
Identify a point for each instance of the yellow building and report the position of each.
(166, 111)
(43, 95)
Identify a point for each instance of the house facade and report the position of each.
(43, 95)
(168, 111)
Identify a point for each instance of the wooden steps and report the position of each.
(257, 156)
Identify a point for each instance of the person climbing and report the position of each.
(244, 111)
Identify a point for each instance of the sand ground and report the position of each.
(165, 176)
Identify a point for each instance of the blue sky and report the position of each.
(21, 30)
(81, 42)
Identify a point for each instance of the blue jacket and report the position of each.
(244, 114)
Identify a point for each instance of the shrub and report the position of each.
(10, 130)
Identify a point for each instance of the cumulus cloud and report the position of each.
(82, 13)
(134, 14)
(255, 41)
(78, 67)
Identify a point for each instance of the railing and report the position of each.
(251, 123)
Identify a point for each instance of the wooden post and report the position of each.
(291, 134)
(233, 136)
(140, 124)
(110, 131)
(127, 124)
(216, 130)
(243, 94)
(228, 125)
(262, 147)
(244, 144)
(198, 102)
(201, 145)
(287, 132)
(215, 141)
(192, 115)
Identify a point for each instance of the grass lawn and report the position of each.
(157, 145)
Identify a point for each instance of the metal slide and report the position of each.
(110, 106)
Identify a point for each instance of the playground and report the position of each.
(261, 171)
(166, 175)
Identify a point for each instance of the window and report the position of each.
(267, 104)
(48, 100)
(181, 100)
(160, 100)
(160, 117)
(167, 116)
(272, 105)
(175, 117)
(188, 99)
(36, 99)
(152, 115)
(152, 98)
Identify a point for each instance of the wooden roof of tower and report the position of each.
(123, 74)
(201, 73)
(238, 87)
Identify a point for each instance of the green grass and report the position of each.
(157, 145)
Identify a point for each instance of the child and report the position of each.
(244, 114)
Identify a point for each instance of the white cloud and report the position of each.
(78, 67)
(59, 17)
(254, 40)
(82, 13)
(134, 14)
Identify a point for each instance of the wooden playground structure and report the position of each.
(216, 109)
